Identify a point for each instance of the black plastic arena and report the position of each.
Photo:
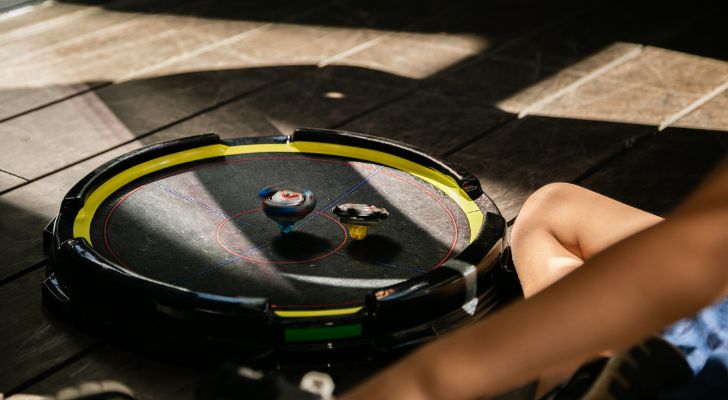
(169, 244)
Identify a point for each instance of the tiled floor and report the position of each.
(628, 101)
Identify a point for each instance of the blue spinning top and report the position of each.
(285, 206)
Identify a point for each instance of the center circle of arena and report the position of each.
(226, 223)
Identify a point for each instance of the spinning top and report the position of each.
(285, 206)
(359, 217)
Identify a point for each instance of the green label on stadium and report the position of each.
(327, 333)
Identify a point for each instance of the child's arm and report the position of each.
(622, 294)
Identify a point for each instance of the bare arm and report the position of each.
(622, 294)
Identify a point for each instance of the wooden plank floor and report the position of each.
(629, 100)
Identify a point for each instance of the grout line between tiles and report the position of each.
(356, 49)
(80, 38)
(15, 175)
(225, 42)
(693, 106)
(373, 42)
(55, 368)
(153, 131)
(536, 106)
(22, 273)
(42, 26)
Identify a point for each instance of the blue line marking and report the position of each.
(203, 205)
(196, 275)
(303, 222)
(348, 192)
(384, 264)
(222, 264)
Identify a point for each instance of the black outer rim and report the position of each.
(83, 283)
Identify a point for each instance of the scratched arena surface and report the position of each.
(627, 99)
(203, 228)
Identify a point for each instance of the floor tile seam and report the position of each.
(126, 142)
(654, 88)
(94, 88)
(151, 132)
(618, 90)
(37, 28)
(86, 89)
(186, 55)
(94, 347)
(427, 83)
(553, 68)
(80, 38)
(21, 273)
(648, 133)
(105, 84)
(545, 27)
(676, 117)
(598, 72)
(490, 131)
(405, 32)
(13, 174)
(227, 41)
(344, 54)
(162, 64)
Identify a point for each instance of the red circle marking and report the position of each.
(108, 218)
(260, 261)
(452, 218)
(269, 158)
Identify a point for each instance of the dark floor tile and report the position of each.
(643, 22)
(659, 172)
(435, 120)
(25, 212)
(147, 377)
(516, 160)
(30, 341)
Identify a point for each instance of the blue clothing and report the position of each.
(704, 341)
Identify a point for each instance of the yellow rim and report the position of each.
(445, 183)
(317, 313)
